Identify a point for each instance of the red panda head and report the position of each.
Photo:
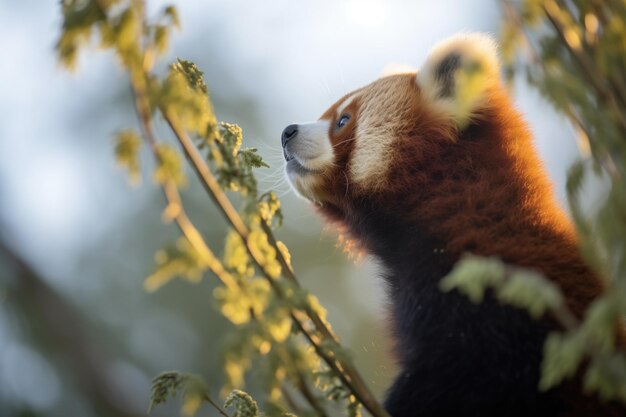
(436, 161)
(378, 134)
(442, 148)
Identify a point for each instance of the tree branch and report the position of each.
(586, 143)
(346, 372)
(587, 67)
(215, 405)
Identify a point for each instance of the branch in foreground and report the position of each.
(347, 373)
(125, 30)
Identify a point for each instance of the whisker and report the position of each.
(344, 141)
(326, 86)
(284, 193)
(271, 173)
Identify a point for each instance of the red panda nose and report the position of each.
(289, 133)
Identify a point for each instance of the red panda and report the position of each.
(420, 168)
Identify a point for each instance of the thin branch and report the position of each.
(218, 196)
(346, 372)
(310, 397)
(172, 195)
(592, 76)
(617, 84)
(221, 200)
(286, 268)
(206, 177)
(188, 229)
(215, 405)
(605, 159)
(290, 401)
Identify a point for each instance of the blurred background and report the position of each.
(78, 334)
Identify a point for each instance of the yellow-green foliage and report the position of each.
(180, 260)
(168, 384)
(575, 56)
(244, 404)
(170, 166)
(578, 63)
(127, 146)
(281, 330)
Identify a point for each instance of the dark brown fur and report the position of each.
(482, 190)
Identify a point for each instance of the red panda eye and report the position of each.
(342, 121)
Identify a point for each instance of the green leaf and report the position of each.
(161, 38)
(530, 291)
(127, 30)
(170, 166)
(178, 95)
(238, 304)
(606, 375)
(79, 18)
(232, 136)
(354, 407)
(562, 354)
(600, 323)
(244, 404)
(269, 209)
(192, 73)
(249, 157)
(575, 177)
(164, 386)
(172, 13)
(277, 321)
(168, 384)
(180, 260)
(473, 275)
(127, 147)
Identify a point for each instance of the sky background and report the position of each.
(70, 213)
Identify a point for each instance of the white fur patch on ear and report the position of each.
(458, 72)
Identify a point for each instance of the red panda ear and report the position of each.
(457, 74)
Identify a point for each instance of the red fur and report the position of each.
(481, 190)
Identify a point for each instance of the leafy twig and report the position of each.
(347, 373)
(593, 77)
(172, 196)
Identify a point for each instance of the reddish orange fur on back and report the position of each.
(489, 194)
(437, 189)
(483, 190)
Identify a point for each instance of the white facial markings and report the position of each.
(371, 157)
(303, 185)
(384, 110)
(312, 147)
(345, 105)
(453, 83)
(313, 153)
